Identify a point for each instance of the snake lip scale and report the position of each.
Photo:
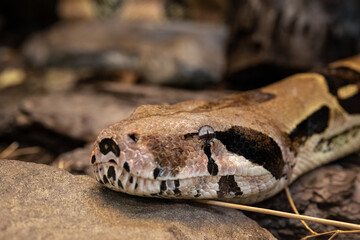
(243, 148)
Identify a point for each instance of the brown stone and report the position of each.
(39, 201)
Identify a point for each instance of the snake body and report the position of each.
(243, 148)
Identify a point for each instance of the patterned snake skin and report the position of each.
(244, 148)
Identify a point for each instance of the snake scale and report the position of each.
(243, 148)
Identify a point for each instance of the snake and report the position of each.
(242, 148)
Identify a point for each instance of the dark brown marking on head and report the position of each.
(163, 186)
(169, 151)
(316, 123)
(120, 184)
(177, 183)
(108, 145)
(136, 185)
(190, 135)
(255, 146)
(212, 167)
(126, 167)
(241, 99)
(197, 194)
(286, 139)
(337, 141)
(93, 159)
(156, 172)
(177, 192)
(131, 179)
(339, 77)
(111, 173)
(105, 180)
(228, 187)
(100, 181)
(257, 96)
(351, 104)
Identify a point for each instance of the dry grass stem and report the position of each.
(13, 150)
(288, 195)
(9, 150)
(315, 234)
(25, 151)
(65, 164)
(282, 214)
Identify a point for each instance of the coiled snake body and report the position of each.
(243, 148)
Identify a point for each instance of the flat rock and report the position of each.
(80, 116)
(39, 201)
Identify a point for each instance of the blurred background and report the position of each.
(69, 68)
(193, 44)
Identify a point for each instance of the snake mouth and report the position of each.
(119, 179)
(241, 189)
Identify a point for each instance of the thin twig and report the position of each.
(334, 233)
(288, 195)
(315, 234)
(282, 214)
(25, 151)
(65, 164)
(9, 150)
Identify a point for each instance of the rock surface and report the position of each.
(80, 116)
(38, 201)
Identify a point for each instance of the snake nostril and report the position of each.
(133, 137)
(109, 145)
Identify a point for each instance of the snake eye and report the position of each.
(206, 133)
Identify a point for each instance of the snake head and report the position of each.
(163, 153)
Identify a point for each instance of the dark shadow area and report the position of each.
(19, 19)
(257, 76)
(38, 135)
